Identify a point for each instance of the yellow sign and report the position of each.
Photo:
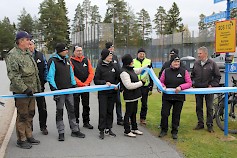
(226, 36)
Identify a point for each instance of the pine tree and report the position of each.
(144, 25)
(160, 19)
(26, 22)
(7, 34)
(78, 22)
(94, 14)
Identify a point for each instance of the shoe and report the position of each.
(61, 137)
(44, 131)
(33, 141)
(112, 134)
(87, 125)
(143, 122)
(106, 132)
(137, 132)
(78, 134)
(198, 127)
(120, 123)
(162, 134)
(102, 136)
(174, 136)
(210, 129)
(23, 144)
(130, 134)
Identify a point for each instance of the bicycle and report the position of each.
(219, 110)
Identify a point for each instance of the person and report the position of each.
(168, 63)
(23, 74)
(43, 71)
(106, 74)
(132, 93)
(178, 78)
(110, 47)
(61, 76)
(205, 74)
(146, 89)
(83, 74)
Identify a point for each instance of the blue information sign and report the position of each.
(232, 68)
(215, 17)
(233, 4)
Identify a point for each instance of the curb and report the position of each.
(8, 135)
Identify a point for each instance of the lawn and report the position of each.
(191, 143)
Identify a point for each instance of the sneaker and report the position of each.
(87, 125)
(61, 137)
(130, 134)
(23, 144)
(78, 134)
(102, 136)
(143, 122)
(112, 134)
(33, 141)
(198, 127)
(44, 131)
(174, 136)
(137, 132)
(106, 132)
(162, 134)
(210, 129)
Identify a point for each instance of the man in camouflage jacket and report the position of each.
(23, 74)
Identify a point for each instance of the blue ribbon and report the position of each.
(106, 87)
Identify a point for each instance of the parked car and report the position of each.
(188, 61)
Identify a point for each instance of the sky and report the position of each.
(189, 9)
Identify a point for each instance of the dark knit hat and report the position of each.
(174, 51)
(60, 47)
(127, 59)
(105, 53)
(174, 57)
(108, 45)
(141, 50)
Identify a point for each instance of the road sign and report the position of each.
(233, 4)
(216, 1)
(232, 67)
(226, 36)
(215, 17)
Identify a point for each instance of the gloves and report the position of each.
(149, 66)
(28, 92)
(56, 98)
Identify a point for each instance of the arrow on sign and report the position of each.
(215, 17)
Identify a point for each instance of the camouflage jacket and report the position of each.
(22, 71)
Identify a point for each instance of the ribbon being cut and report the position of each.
(105, 87)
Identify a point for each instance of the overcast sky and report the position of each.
(189, 9)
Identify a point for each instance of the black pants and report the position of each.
(165, 112)
(145, 90)
(106, 108)
(85, 104)
(199, 108)
(118, 107)
(42, 109)
(130, 113)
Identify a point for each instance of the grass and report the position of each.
(191, 143)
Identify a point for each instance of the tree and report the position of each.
(54, 23)
(7, 34)
(173, 20)
(78, 22)
(94, 14)
(144, 24)
(26, 22)
(160, 19)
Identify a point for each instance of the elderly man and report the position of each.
(23, 74)
(146, 89)
(43, 71)
(205, 74)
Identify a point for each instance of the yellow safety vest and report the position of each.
(138, 64)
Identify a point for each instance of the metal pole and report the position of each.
(226, 78)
